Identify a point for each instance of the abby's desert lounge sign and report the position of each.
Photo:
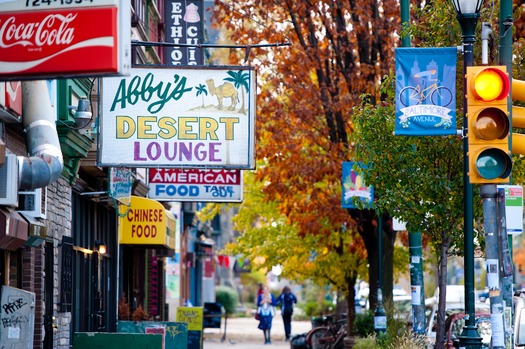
(179, 117)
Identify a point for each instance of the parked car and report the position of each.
(455, 303)
(454, 327)
(519, 319)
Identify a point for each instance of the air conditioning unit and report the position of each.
(33, 202)
(9, 181)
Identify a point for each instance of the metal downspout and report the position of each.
(45, 163)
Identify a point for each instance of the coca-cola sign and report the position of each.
(53, 30)
(59, 42)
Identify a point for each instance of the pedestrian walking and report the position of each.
(260, 289)
(266, 310)
(287, 300)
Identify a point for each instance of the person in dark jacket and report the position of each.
(287, 300)
(266, 310)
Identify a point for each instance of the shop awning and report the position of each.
(148, 224)
(13, 229)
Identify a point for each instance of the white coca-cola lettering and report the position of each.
(52, 30)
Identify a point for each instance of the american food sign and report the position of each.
(54, 38)
(179, 118)
(199, 185)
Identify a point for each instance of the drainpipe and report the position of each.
(44, 164)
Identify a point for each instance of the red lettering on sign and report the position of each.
(146, 231)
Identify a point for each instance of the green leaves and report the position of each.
(417, 179)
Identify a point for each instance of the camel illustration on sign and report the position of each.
(225, 90)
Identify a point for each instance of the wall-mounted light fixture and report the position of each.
(83, 113)
(100, 247)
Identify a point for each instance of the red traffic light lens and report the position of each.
(491, 84)
(491, 124)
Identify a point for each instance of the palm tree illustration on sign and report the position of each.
(240, 78)
(225, 90)
(201, 90)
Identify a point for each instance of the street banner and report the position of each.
(353, 186)
(180, 117)
(513, 208)
(425, 91)
(195, 185)
(54, 39)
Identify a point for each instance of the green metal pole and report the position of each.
(415, 244)
(417, 281)
(380, 315)
(469, 338)
(405, 21)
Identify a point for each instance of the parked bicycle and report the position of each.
(330, 335)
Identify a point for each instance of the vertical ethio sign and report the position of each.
(201, 118)
(184, 25)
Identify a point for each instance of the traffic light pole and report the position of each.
(505, 58)
(415, 241)
(469, 338)
(488, 194)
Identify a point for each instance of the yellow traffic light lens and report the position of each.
(491, 124)
(491, 84)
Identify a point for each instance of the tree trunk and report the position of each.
(389, 238)
(367, 223)
(350, 307)
(442, 284)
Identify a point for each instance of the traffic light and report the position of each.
(488, 124)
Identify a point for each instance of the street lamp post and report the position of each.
(467, 15)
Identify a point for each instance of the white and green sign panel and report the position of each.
(513, 208)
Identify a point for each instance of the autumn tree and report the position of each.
(267, 239)
(339, 50)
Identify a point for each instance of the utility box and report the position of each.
(17, 317)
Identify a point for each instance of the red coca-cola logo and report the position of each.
(52, 30)
(59, 41)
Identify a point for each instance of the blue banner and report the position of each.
(426, 91)
(354, 186)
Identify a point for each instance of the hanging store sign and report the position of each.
(195, 185)
(120, 184)
(184, 21)
(52, 39)
(179, 118)
(147, 223)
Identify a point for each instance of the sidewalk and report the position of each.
(242, 333)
